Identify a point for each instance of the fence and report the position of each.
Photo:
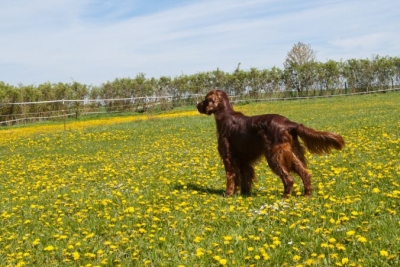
(28, 112)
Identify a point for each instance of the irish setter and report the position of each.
(242, 140)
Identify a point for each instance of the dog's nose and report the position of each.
(200, 107)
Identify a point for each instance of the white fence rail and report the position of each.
(64, 108)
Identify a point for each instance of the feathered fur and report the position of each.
(242, 140)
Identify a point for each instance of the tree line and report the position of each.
(297, 78)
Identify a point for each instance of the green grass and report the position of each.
(149, 193)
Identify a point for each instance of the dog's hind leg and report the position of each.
(280, 161)
(300, 164)
(300, 169)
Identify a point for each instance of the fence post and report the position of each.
(64, 115)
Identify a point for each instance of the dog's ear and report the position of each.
(214, 99)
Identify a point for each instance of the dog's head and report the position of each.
(215, 100)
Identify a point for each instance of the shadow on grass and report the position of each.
(207, 190)
(194, 187)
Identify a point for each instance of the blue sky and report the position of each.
(92, 42)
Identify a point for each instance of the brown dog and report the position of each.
(242, 140)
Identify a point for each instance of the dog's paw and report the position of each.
(227, 194)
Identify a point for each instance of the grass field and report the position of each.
(146, 190)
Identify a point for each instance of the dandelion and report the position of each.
(199, 252)
(90, 255)
(296, 258)
(198, 239)
(340, 247)
(362, 239)
(217, 258)
(350, 233)
(324, 245)
(334, 256)
(309, 262)
(332, 240)
(129, 210)
(223, 262)
(265, 256)
(376, 190)
(49, 248)
(76, 256)
(88, 236)
(227, 239)
(384, 253)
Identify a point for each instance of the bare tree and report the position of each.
(298, 67)
(299, 55)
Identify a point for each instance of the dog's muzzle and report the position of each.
(201, 108)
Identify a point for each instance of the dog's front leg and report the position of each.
(225, 153)
(230, 178)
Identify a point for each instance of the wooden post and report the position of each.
(65, 126)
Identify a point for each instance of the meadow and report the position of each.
(146, 190)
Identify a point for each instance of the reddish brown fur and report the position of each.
(242, 140)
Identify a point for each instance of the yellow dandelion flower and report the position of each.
(227, 239)
(129, 210)
(217, 258)
(350, 233)
(198, 239)
(340, 247)
(384, 253)
(88, 236)
(90, 255)
(362, 239)
(76, 256)
(309, 262)
(199, 252)
(49, 248)
(332, 240)
(376, 190)
(265, 256)
(296, 258)
(223, 262)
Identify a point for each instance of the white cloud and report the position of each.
(92, 43)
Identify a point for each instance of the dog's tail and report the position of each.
(319, 142)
